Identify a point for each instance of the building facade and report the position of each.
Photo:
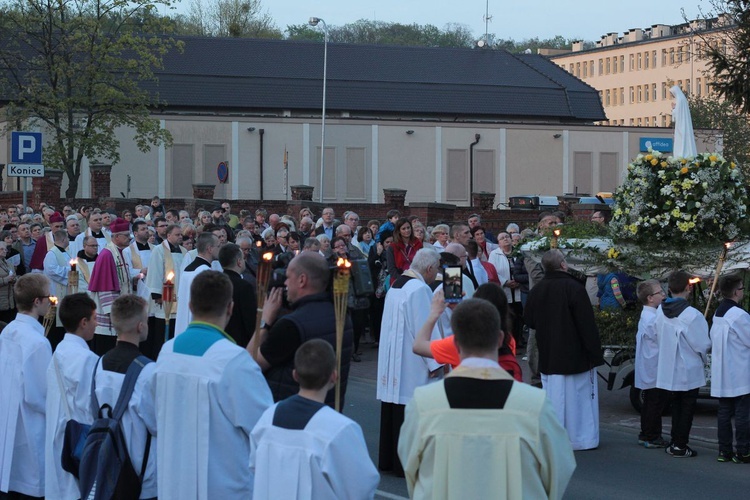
(633, 72)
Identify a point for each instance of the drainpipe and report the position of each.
(471, 164)
(261, 132)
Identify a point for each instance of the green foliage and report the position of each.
(713, 113)
(532, 44)
(227, 18)
(76, 70)
(618, 327)
(731, 67)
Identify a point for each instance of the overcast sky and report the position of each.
(516, 19)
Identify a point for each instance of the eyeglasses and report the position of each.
(657, 293)
(42, 297)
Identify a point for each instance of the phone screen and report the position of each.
(452, 284)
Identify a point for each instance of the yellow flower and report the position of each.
(732, 165)
(612, 253)
(683, 161)
(712, 158)
(663, 163)
(684, 170)
(649, 157)
(676, 212)
(654, 162)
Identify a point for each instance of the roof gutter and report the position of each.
(471, 163)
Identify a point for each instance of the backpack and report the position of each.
(106, 471)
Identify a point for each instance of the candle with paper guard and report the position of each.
(73, 277)
(340, 299)
(49, 318)
(167, 293)
(555, 234)
(264, 276)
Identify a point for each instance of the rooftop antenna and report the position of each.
(487, 18)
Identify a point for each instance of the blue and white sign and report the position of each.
(26, 147)
(660, 144)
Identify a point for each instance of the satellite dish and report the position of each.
(481, 43)
(527, 51)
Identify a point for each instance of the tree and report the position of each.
(715, 113)
(230, 18)
(730, 62)
(79, 70)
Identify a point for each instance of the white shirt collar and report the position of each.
(72, 337)
(31, 321)
(479, 363)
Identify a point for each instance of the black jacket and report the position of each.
(241, 324)
(559, 308)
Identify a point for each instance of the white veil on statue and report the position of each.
(684, 138)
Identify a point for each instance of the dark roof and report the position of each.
(246, 75)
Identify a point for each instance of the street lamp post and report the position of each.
(314, 21)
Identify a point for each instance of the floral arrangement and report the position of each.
(680, 200)
(617, 328)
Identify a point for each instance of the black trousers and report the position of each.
(683, 409)
(152, 345)
(654, 402)
(15, 496)
(359, 323)
(391, 419)
(376, 317)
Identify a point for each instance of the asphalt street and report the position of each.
(619, 468)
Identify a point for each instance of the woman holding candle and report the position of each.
(7, 280)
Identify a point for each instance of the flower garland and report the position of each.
(680, 200)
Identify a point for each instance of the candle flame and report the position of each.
(73, 262)
(268, 256)
(557, 232)
(693, 281)
(258, 244)
(170, 276)
(53, 300)
(728, 245)
(343, 263)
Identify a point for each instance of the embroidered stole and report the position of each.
(84, 269)
(135, 255)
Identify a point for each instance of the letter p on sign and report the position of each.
(26, 147)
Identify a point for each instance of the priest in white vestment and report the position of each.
(94, 229)
(85, 261)
(478, 433)
(400, 371)
(138, 256)
(207, 253)
(203, 416)
(24, 357)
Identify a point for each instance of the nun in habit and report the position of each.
(684, 139)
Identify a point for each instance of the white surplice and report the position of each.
(575, 399)
(184, 315)
(24, 357)
(646, 350)
(683, 344)
(141, 289)
(108, 385)
(730, 354)
(327, 460)
(155, 277)
(75, 363)
(190, 257)
(207, 406)
(400, 371)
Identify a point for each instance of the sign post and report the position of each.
(26, 158)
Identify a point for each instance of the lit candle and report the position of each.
(168, 288)
(73, 265)
(340, 300)
(555, 234)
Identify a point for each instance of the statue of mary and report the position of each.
(684, 138)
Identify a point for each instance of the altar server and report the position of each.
(301, 446)
(24, 357)
(208, 252)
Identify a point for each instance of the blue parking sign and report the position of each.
(26, 147)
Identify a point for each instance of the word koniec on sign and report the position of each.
(25, 170)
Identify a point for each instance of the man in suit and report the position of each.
(242, 322)
(329, 223)
(480, 414)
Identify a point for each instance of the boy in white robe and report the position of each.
(302, 448)
(68, 390)
(650, 294)
(24, 357)
(730, 370)
(209, 395)
(683, 343)
(129, 316)
(207, 253)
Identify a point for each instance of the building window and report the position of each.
(622, 95)
(632, 95)
(640, 95)
(632, 62)
(653, 121)
(632, 122)
(645, 60)
(608, 65)
(570, 69)
(622, 64)
(687, 86)
(601, 66)
(640, 122)
(671, 56)
(607, 98)
(614, 97)
(679, 55)
(653, 95)
(591, 67)
(647, 121)
(614, 64)
(585, 69)
(645, 93)
(663, 120)
(640, 61)
(663, 57)
(698, 86)
(653, 59)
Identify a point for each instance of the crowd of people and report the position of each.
(234, 384)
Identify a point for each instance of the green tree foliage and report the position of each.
(731, 67)
(533, 44)
(711, 112)
(380, 32)
(78, 71)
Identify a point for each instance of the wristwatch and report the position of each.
(265, 326)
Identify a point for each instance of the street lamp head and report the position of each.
(314, 21)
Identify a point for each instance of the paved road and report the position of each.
(619, 468)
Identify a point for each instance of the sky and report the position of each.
(511, 19)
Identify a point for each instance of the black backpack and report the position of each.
(106, 471)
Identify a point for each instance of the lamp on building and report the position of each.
(251, 129)
(557, 136)
(314, 21)
(409, 132)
